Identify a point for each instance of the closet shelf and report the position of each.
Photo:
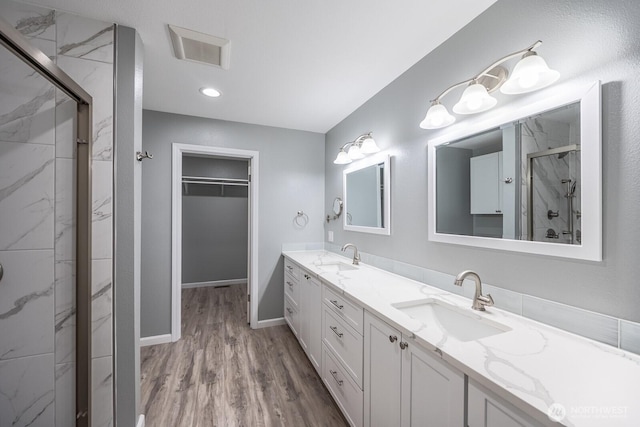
(215, 181)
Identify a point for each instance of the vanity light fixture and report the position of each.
(530, 73)
(210, 92)
(357, 149)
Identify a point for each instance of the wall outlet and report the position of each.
(330, 237)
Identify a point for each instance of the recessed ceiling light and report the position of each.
(211, 92)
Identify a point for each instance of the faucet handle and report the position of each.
(486, 300)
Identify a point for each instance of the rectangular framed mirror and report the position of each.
(367, 201)
(529, 180)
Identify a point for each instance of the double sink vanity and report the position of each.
(396, 352)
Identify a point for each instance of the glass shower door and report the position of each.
(554, 195)
(38, 238)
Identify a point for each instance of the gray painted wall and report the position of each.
(453, 200)
(585, 41)
(291, 179)
(127, 220)
(214, 222)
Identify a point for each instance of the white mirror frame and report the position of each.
(361, 164)
(591, 175)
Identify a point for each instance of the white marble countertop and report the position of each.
(532, 365)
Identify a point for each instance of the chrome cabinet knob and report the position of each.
(403, 345)
(393, 338)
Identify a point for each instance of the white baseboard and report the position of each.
(140, 421)
(215, 283)
(270, 322)
(156, 339)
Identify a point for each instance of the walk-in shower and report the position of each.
(553, 193)
(45, 238)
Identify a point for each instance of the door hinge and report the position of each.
(81, 141)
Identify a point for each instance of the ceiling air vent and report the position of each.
(199, 47)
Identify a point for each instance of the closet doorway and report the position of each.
(214, 223)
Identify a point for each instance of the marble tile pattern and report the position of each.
(531, 364)
(538, 134)
(101, 297)
(65, 312)
(26, 303)
(65, 403)
(96, 78)
(102, 377)
(27, 392)
(85, 38)
(26, 196)
(37, 173)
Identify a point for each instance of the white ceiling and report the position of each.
(299, 64)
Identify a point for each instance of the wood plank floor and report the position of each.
(222, 373)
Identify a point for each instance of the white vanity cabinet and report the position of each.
(486, 184)
(342, 342)
(311, 318)
(302, 309)
(485, 409)
(292, 296)
(404, 385)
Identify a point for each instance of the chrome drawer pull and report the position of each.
(334, 302)
(289, 310)
(335, 377)
(393, 338)
(289, 267)
(290, 284)
(335, 331)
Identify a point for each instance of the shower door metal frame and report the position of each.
(15, 42)
(530, 158)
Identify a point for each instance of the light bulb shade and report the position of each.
(342, 158)
(437, 117)
(530, 73)
(475, 99)
(355, 153)
(369, 146)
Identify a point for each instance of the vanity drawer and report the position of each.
(292, 289)
(344, 390)
(292, 269)
(346, 344)
(291, 316)
(348, 311)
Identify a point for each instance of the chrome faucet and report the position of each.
(356, 255)
(479, 300)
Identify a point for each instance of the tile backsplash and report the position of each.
(599, 327)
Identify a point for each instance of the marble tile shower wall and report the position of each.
(549, 192)
(37, 322)
(599, 327)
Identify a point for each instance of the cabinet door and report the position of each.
(305, 304)
(485, 409)
(382, 373)
(486, 191)
(314, 316)
(432, 391)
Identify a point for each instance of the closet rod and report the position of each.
(210, 179)
(235, 184)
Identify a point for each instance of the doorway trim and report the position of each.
(178, 150)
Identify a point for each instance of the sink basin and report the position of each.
(337, 266)
(459, 323)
